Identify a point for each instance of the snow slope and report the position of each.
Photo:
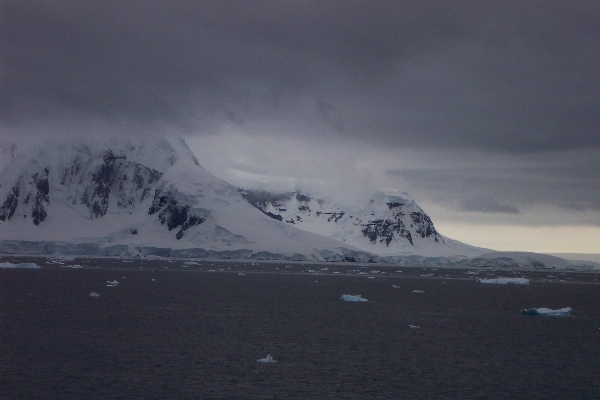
(143, 196)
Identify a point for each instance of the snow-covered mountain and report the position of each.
(142, 196)
(389, 223)
(150, 196)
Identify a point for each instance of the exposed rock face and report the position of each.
(115, 180)
(32, 192)
(173, 213)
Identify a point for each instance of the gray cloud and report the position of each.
(567, 180)
(510, 75)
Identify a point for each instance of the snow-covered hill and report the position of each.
(389, 223)
(142, 196)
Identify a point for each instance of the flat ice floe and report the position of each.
(350, 297)
(505, 281)
(23, 265)
(267, 360)
(547, 311)
(94, 294)
(418, 291)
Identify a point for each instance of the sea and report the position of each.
(176, 329)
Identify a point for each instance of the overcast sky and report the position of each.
(487, 112)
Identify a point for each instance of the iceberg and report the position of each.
(349, 297)
(418, 291)
(114, 283)
(504, 281)
(22, 265)
(267, 360)
(94, 295)
(414, 327)
(547, 311)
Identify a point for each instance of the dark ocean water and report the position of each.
(195, 334)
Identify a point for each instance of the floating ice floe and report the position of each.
(547, 311)
(22, 265)
(505, 281)
(190, 263)
(241, 274)
(418, 291)
(414, 327)
(350, 297)
(114, 283)
(71, 266)
(153, 280)
(267, 360)
(396, 286)
(94, 294)
(370, 277)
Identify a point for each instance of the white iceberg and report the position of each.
(94, 294)
(547, 311)
(114, 283)
(22, 265)
(414, 327)
(396, 286)
(71, 266)
(350, 297)
(267, 360)
(241, 274)
(418, 291)
(505, 281)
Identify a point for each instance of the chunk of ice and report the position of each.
(414, 327)
(350, 297)
(396, 286)
(504, 281)
(547, 311)
(23, 265)
(267, 360)
(418, 291)
(94, 294)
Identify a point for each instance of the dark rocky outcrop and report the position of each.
(173, 213)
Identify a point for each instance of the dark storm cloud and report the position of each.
(512, 75)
